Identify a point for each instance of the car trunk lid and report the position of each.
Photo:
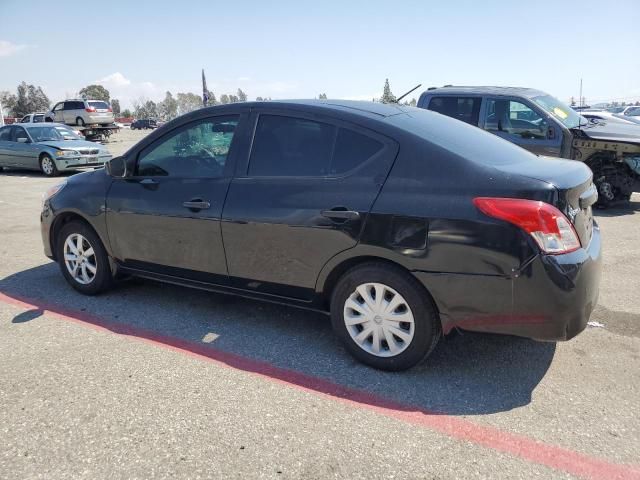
(573, 181)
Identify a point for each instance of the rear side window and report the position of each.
(466, 109)
(5, 134)
(352, 149)
(297, 147)
(287, 146)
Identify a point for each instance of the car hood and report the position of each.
(71, 144)
(617, 132)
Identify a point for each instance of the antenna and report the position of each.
(402, 96)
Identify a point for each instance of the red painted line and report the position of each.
(520, 446)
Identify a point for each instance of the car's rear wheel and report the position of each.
(48, 166)
(83, 259)
(384, 317)
(80, 122)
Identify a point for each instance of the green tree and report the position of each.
(387, 96)
(259, 99)
(188, 102)
(242, 97)
(224, 99)
(29, 99)
(126, 113)
(115, 106)
(95, 92)
(8, 101)
(168, 108)
(212, 99)
(322, 96)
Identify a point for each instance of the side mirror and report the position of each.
(117, 167)
(23, 140)
(551, 132)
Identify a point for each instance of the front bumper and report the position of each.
(552, 299)
(82, 161)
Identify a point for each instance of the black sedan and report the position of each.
(402, 223)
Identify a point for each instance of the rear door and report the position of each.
(301, 198)
(166, 217)
(517, 121)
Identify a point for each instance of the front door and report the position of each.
(301, 198)
(523, 125)
(25, 153)
(166, 217)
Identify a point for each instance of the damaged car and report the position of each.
(546, 126)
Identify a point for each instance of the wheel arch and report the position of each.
(331, 273)
(61, 220)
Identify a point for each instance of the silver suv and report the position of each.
(81, 112)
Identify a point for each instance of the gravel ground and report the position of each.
(189, 384)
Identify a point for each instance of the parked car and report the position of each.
(605, 116)
(48, 147)
(144, 124)
(81, 112)
(631, 110)
(33, 118)
(376, 213)
(544, 125)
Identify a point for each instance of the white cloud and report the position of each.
(244, 79)
(7, 48)
(127, 91)
(114, 80)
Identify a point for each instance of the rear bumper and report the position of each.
(99, 118)
(552, 299)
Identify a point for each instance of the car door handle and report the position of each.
(196, 204)
(148, 181)
(340, 213)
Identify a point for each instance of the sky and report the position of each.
(299, 49)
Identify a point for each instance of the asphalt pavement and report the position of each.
(157, 381)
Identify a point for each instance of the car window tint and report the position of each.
(352, 149)
(199, 149)
(466, 109)
(98, 104)
(5, 134)
(287, 146)
(19, 132)
(25, 119)
(515, 119)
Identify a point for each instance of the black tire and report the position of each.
(48, 166)
(103, 278)
(426, 320)
(80, 122)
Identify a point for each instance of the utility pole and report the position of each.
(581, 99)
(1, 115)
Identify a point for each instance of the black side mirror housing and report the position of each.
(117, 167)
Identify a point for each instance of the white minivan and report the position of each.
(81, 112)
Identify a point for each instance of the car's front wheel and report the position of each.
(48, 166)
(384, 317)
(83, 259)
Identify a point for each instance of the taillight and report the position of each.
(90, 109)
(545, 223)
(110, 109)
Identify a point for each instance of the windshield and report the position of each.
(615, 109)
(559, 110)
(56, 133)
(98, 105)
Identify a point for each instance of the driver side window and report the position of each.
(515, 119)
(197, 150)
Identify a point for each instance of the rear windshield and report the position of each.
(462, 139)
(96, 104)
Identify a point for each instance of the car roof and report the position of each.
(487, 90)
(363, 108)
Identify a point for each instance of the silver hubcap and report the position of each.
(379, 320)
(80, 259)
(47, 165)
